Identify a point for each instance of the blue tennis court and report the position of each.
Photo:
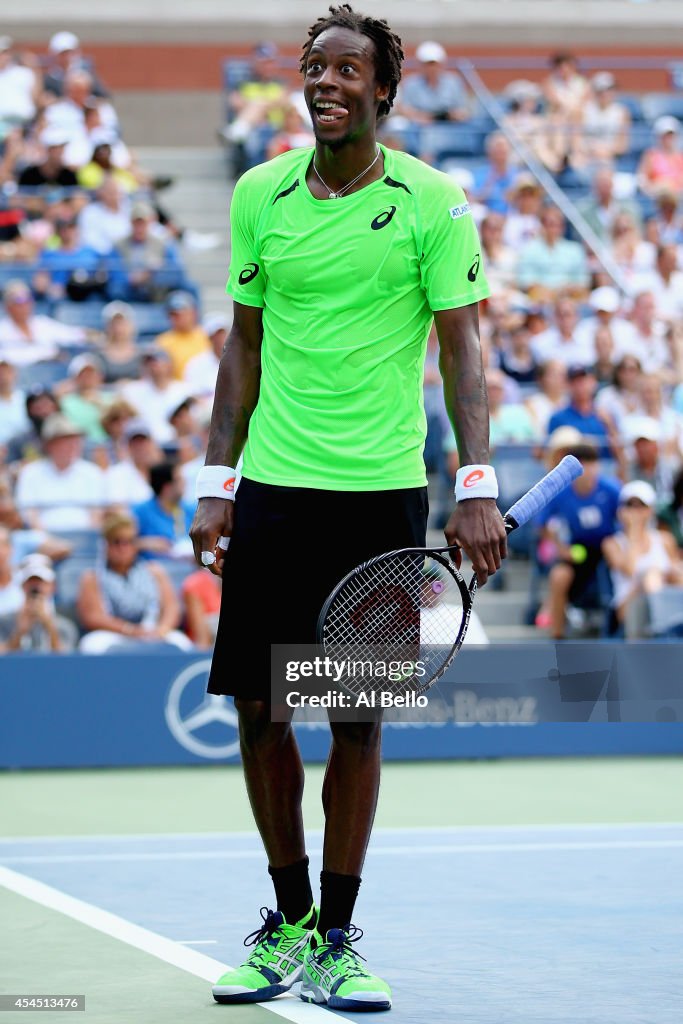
(482, 925)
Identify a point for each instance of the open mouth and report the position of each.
(329, 111)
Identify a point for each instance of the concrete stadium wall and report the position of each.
(166, 72)
(490, 22)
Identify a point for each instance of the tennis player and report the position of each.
(341, 257)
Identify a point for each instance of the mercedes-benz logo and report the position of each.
(213, 709)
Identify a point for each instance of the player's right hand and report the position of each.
(213, 519)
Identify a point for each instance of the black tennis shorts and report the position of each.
(290, 546)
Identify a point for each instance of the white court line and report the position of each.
(135, 837)
(170, 952)
(377, 851)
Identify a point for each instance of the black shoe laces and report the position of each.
(271, 923)
(341, 946)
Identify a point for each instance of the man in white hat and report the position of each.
(35, 626)
(64, 55)
(128, 480)
(156, 394)
(606, 121)
(605, 303)
(69, 114)
(662, 165)
(432, 96)
(61, 491)
(645, 461)
(145, 251)
(85, 404)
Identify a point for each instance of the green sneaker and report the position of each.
(273, 966)
(334, 975)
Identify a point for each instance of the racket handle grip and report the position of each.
(542, 493)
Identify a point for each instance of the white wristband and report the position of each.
(215, 482)
(475, 482)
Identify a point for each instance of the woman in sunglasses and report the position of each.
(127, 600)
(641, 558)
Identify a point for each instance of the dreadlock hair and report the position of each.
(388, 50)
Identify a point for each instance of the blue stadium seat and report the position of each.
(647, 205)
(666, 612)
(16, 272)
(43, 307)
(571, 179)
(460, 140)
(576, 192)
(236, 70)
(69, 573)
(633, 104)
(469, 163)
(627, 163)
(80, 314)
(41, 374)
(640, 139)
(656, 104)
(84, 543)
(483, 122)
(177, 570)
(150, 319)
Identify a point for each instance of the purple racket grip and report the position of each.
(542, 493)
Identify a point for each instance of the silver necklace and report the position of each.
(341, 191)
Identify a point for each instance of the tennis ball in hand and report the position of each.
(578, 553)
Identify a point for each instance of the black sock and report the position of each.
(293, 891)
(338, 895)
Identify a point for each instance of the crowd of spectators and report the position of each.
(76, 209)
(104, 417)
(107, 372)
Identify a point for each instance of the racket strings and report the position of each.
(401, 608)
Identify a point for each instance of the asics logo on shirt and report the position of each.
(383, 218)
(248, 273)
(474, 269)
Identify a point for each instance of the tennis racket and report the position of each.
(398, 620)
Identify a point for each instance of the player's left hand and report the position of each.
(477, 527)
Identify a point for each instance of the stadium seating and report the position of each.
(80, 314)
(42, 374)
(657, 104)
(666, 613)
(69, 573)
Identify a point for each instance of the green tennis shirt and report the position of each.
(348, 288)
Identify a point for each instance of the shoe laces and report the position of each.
(338, 946)
(265, 935)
